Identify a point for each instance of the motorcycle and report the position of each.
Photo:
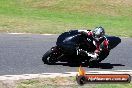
(73, 45)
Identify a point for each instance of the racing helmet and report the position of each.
(98, 33)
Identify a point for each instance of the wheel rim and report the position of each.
(51, 59)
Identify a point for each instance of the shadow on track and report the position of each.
(108, 65)
(101, 65)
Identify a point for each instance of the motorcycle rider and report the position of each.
(99, 40)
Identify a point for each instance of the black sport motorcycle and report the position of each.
(74, 47)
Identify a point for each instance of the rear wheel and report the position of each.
(49, 57)
(93, 63)
(103, 55)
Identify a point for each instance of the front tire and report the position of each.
(48, 57)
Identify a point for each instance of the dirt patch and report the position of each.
(105, 7)
(118, 2)
(7, 84)
(43, 3)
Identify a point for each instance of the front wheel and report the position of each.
(49, 57)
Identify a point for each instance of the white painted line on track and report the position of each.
(29, 34)
(53, 75)
(18, 33)
(48, 34)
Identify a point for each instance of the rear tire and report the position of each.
(103, 55)
(48, 57)
(93, 63)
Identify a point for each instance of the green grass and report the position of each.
(57, 16)
(114, 86)
(62, 82)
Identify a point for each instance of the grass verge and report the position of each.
(57, 16)
(58, 82)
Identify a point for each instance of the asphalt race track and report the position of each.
(21, 54)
